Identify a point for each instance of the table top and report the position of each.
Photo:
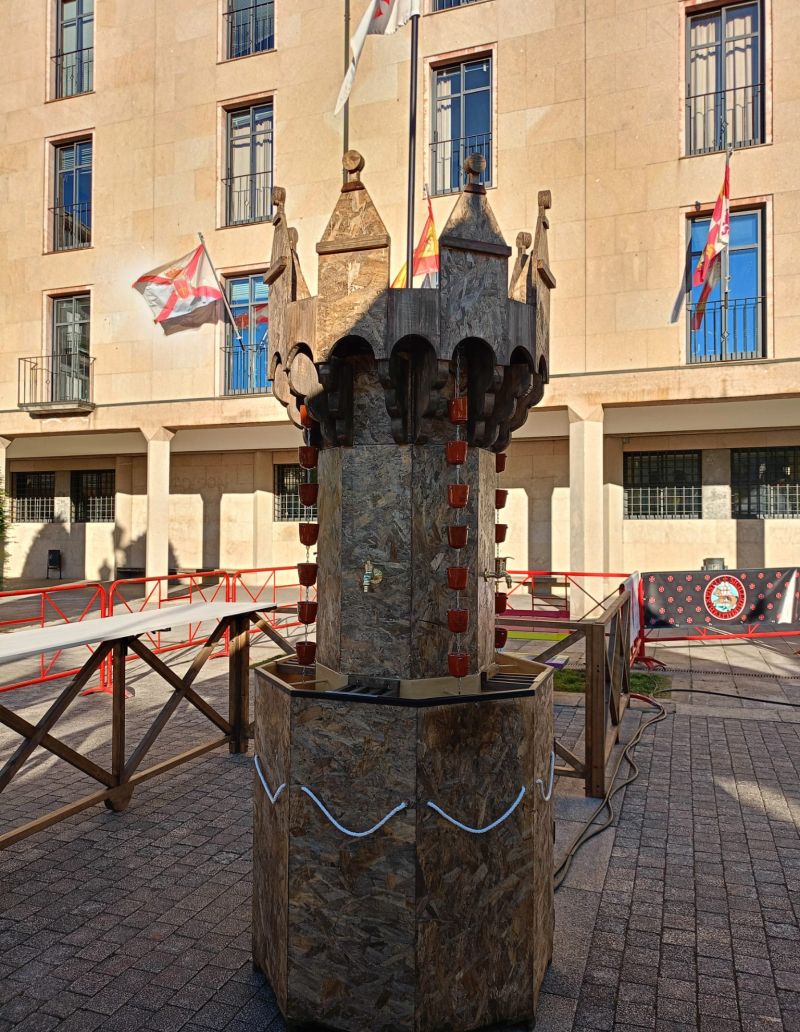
(23, 644)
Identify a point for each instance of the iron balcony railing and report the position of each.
(737, 338)
(74, 72)
(250, 30)
(245, 369)
(715, 121)
(248, 198)
(446, 5)
(72, 226)
(448, 157)
(60, 380)
(663, 503)
(766, 501)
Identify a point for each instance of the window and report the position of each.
(246, 355)
(662, 486)
(288, 507)
(725, 79)
(92, 496)
(462, 122)
(445, 5)
(730, 328)
(765, 483)
(33, 497)
(69, 378)
(74, 58)
(249, 27)
(72, 201)
(248, 183)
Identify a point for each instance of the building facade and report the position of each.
(128, 128)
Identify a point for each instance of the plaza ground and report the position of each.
(682, 916)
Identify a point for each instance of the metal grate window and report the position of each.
(74, 59)
(287, 501)
(446, 5)
(92, 494)
(765, 483)
(248, 182)
(245, 357)
(662, 486)
(462, 122)
(72, 200)
(250, 27)
(725, 79)
(33, 498)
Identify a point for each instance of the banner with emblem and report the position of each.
(177, 289)
(736, 601)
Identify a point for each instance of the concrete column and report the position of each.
(613, 497)
(157, 541)
(5, 485)
(716, 479)
(123, 510)
(263, 508)
(586, 504)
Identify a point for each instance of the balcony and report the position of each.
(245, 369)
(250, 30)
(715, 121)
(737, 338)
(448, 157)
(248, 198)
(58, 384)
(74, 73)
(72, 226)
(446, 5)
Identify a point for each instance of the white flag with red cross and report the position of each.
(178, 288)
(381, 18)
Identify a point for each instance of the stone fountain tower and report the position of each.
(403, 828)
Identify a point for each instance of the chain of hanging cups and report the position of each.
(308, 492)
(457, 530)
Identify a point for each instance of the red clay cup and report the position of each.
(306, 419)
(457, 410)
(500, 498)
(500, 637)
(457, 536)
(457, 495)
(307, 572)
(500, 602)
(457, 620)
(500, 462)
(456, 578)
(456, 452)
(308, 493)
(306, 652)
(309, 534)
(307, 612)
(458, 664)
(308, 456)
(500, 531)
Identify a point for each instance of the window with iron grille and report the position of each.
(662, 486)
(245, 353)
(462, 122)
(445, 5)
(72, 199)
(250, 27)
(288, 508)
(92, 494)
(725, 78)
(765, 483)
(33, 497)
(74, 58)
(248, 176)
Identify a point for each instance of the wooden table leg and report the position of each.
(239, 683)
(119, 801)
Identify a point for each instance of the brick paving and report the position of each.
(682, 917)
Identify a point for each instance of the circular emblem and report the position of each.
(725, 597)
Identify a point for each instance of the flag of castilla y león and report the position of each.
(708, 271)
(178, 288)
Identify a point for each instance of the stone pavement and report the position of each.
(683, 916)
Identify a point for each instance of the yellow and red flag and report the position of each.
(425, 262)
(178, 288)
(708, 270)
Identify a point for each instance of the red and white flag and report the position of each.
(381, 18)
(180, 287)
(708, 271)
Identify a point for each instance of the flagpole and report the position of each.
(412, 148)
(726, 273)
(346, 126)
(224, 295)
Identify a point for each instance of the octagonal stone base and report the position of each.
(421, 925)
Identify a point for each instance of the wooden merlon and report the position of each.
(478, 246)
(353, 244)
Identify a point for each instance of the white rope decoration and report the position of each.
(272, 798)
(341, 827)
(489, 827)
(540, 783)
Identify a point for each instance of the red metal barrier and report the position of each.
(553, 588)
(47, 607)
(265, 584)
